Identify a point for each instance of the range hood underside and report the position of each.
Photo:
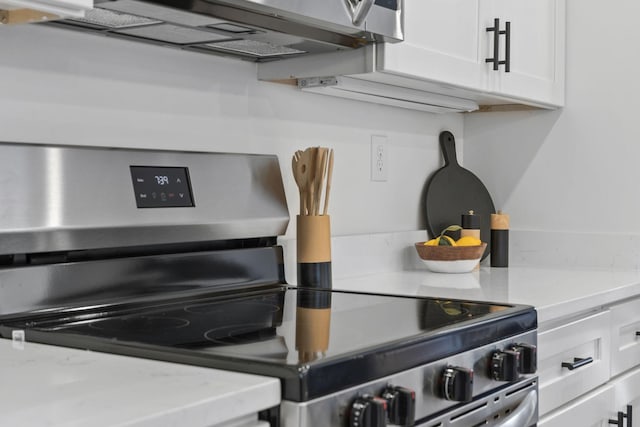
(211, 28)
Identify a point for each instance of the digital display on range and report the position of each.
(161, 187)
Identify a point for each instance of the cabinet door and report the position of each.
(441, 44)
(586, 339)
(537, 52)
(627, 393)
(625, 344)
(592, 410)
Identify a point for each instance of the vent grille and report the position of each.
(255, 48)
(110, 19)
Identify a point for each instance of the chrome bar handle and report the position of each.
(577, 363)
(496, 43)
(619, 421)
(507, 47)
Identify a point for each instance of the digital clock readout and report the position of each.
(159, 187)
(162, 179)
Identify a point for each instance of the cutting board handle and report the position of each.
(448, 147)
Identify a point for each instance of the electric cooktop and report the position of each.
(292, 333)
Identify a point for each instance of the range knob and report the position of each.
(457, 384)
(504, 365)
(368, 411)
(528, 358)
(401, 405)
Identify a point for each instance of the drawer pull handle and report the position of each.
(621, 416)
(577, 362)
(638, 333)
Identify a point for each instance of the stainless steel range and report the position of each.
(174, 256)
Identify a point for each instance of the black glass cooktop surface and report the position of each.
(284, 331)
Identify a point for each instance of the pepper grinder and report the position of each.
(470, 225)
(499, 240)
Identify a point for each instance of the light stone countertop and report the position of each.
(55, 386)
(566, 280)
(554, 292)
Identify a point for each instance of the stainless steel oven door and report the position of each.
(514, 406)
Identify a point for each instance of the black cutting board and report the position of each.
(452, 191)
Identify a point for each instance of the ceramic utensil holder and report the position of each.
(313, 314)
(314, 251)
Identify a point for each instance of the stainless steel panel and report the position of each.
(57, 198)
(331, 15)
(291, 28)
(24, 290)
(424, 380)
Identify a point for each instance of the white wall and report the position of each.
(64, 87)
(574, 171)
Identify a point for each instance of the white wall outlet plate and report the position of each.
(379, 157)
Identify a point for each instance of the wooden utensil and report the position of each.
(296, 176)
(312, 171)
(328, 185)
(307, 168)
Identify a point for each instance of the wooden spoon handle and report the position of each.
(328, 185)
(296, 177)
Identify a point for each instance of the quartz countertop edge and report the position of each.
(58, 386)
(555, 293)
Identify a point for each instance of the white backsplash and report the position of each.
(356, 255)
(616, 251)
(359, 255)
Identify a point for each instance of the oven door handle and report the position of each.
(525, 412)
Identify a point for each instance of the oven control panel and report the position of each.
(423, 393)
(161, 187)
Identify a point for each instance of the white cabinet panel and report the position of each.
(444, 52)
(583, 339)
(625, 345)
(627, 394)
(441, 43)
(592, 410)
(537, 51)
(446, 41)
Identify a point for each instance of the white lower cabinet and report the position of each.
(625, 343)
(591, 410)
(627, 399)
(589, 369)
(572, 360)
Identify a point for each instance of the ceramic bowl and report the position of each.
(450, 259)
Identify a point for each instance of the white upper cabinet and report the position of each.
(537, 51)
(446, 41)
(442, 38)
(445, 52)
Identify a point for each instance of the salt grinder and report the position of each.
(499, 240)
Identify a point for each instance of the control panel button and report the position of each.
(368, 411)
(504, 365)
(457, 384)
(401, 405)
(528, 358)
